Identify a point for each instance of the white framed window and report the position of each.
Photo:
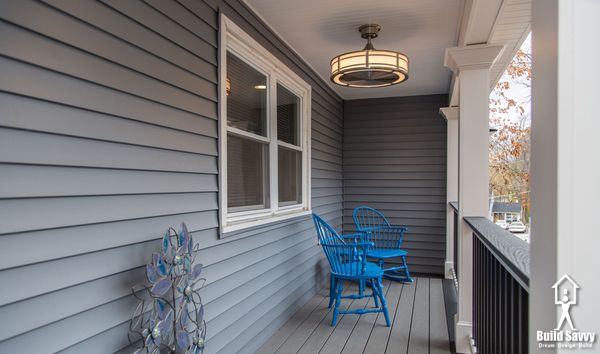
(264, 134)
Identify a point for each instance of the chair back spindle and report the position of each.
(386, 238)
(345, 259)
(376, 228)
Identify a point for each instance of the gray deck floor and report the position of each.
(418, 324)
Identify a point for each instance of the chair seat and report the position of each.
(384, 253)
(372, 270)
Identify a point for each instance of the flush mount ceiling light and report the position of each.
(369, 67)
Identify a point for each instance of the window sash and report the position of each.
(277, 74)
(274, 143)
(248, 135)
(237, 84)
(260, 172)
(290, 164)
(296, 125)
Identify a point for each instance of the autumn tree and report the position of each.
(510, 144)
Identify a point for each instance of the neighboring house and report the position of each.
(507, 211)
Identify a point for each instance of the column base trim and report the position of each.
(448, 266)
(463, 332)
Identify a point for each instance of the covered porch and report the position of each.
(114, 126)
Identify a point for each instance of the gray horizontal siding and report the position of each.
(394, 160)
(108, 135)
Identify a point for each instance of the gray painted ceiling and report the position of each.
(321, 29)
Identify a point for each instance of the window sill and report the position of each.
(247, 224)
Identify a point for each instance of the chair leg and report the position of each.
(361, 288)
(408, 278)
(332, 293)
(375, 294)
(400, 274)
(338, 299)
(383, 302)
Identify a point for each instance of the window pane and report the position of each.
(246, 97)
(247, 174)
(290, 176)
(288, 116)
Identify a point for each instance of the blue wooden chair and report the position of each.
(387, 240)
(348, 261)
(322, 233)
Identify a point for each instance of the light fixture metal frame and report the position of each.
(397, 63)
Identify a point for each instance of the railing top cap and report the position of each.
(510, 249)
(454, 205)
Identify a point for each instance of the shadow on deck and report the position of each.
(417, 312)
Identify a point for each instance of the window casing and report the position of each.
(264, 135)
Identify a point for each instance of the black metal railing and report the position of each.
(500, 289)
(454, 206)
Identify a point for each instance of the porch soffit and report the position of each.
(318, 30)
(509, 27)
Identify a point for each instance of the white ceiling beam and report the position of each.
(502, 22)
(477, 21)
(472, 57)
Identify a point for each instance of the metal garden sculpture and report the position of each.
(169, 317)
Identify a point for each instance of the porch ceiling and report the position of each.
(318, 30)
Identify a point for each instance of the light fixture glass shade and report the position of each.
(369, 68)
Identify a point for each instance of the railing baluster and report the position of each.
(486, 318)
(516, 311)
(500, 292)
(476, 291)
(497, 302)
(504, 312)
(519, 321)
(524, 335)
(456, 260)
(488, 293)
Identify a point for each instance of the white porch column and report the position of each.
(471, 65)
(565, 167)
(451, 116)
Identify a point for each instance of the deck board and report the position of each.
(282, 334)
(378, 339)
(293, 343)
(400, 332)
(337, 340)
(321, 334)
(438, 328)
(418, 342)
(343, 330)
(417, 312)
(364, 327)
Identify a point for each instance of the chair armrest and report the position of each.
(354, 237)
(357, 245)
(386, 235)
(395, 229)
(366, 245)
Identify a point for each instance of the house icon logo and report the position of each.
(565, 295)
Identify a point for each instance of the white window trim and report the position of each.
(232, 38)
